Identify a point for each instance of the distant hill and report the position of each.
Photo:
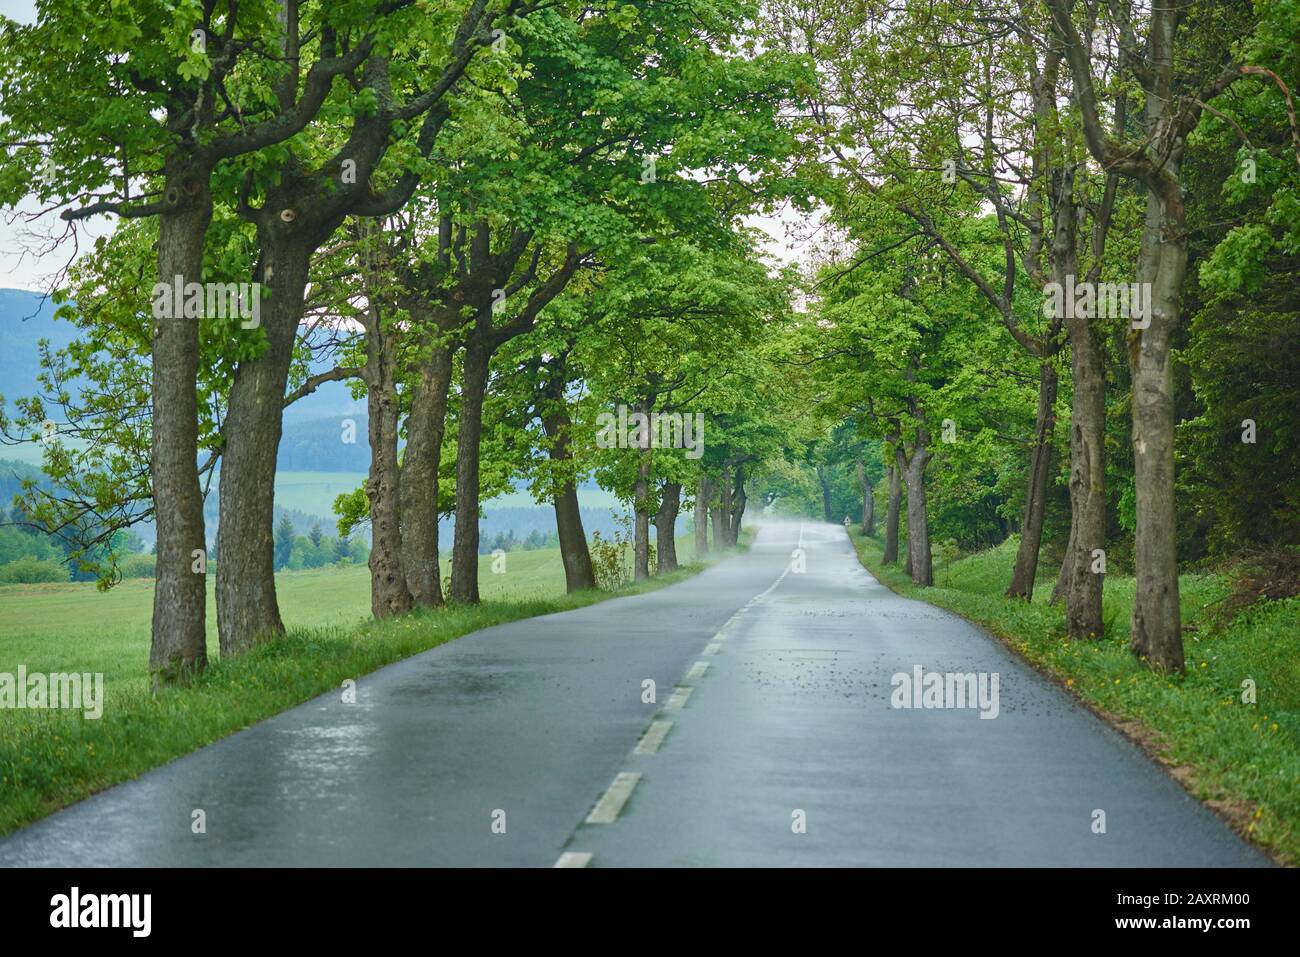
(313, 440)
(312, 426)
(25, 319)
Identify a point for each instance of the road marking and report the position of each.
(678, 699)
(713, 648)
(767, 591)
(698, 669)
(607, 808)
(573, 859)
(653, 737)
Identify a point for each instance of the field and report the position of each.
(314, 492)
(1242, 758)
(73, 627)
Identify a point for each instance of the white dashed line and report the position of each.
(713, 648)
(607, 808)
(573, 859)
(653, 737)
(678, 699)
(698, 669)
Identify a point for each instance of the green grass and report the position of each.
(1242, 759)
(49, 759)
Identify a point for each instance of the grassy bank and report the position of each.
(50, 758)
(1241, 759)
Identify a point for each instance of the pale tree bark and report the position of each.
(1081, 580)
(719, 531)
(1157, 623)
(1081, 586)
(1153, 159)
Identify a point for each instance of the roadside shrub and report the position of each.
(139, 565)
(30, 571)
(607, 561)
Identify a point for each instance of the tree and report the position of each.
(284, 537)
(1173, 99)
(370, 167)
(166, 96)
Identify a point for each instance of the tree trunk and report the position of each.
(178, 647)
(578, 571)
(1083, 586)
(738, 502)
(421, 462)
(389, 594)
(641, 504)
(464, 554)
(868, 500)
(1031, 526)
(918, 530)
(1157, 624)
(891, 515)
(670, 501)
(247, 610)
(1153, 159)
(826, 493)
(703, 492)
(723, 538)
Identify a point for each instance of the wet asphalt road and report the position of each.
(786, 751)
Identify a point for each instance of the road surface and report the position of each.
(772, 739)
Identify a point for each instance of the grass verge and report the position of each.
(50, 758)
(1241, 759)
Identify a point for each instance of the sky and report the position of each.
(24, 264)
(20, 269)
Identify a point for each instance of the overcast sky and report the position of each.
(21, 267)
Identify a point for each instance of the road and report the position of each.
(772, 739)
